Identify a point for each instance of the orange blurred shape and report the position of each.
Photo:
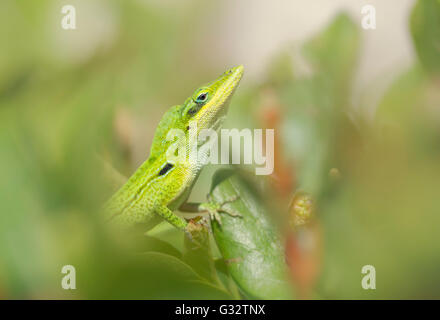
(271, 117)
(303, 244)
(303, 255)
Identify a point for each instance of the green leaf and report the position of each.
(249, 244)
(425, 30)
(198, 256)
(316, 104)
(333, 54)
(150, 275)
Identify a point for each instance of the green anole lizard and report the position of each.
(160, 185)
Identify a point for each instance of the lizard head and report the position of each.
(208, 104)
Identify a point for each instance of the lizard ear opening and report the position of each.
(167, 167)
(193, 110)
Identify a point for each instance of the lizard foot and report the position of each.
(214, 208)
(195, 228)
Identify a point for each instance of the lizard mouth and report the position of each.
(226, 85)
(223, 89)
(233, 77)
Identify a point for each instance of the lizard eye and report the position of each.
(202, 97)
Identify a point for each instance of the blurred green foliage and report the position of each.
(249, 244)
(67, 97)
(425, 29)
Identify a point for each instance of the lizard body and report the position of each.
(160, 185)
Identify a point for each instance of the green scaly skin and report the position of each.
(151, 194)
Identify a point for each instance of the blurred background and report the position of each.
(357, 125)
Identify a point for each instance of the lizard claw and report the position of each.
(195, 228)
(214, 208)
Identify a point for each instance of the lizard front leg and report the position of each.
(172, 218)
(178, 222)
(211, 207)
